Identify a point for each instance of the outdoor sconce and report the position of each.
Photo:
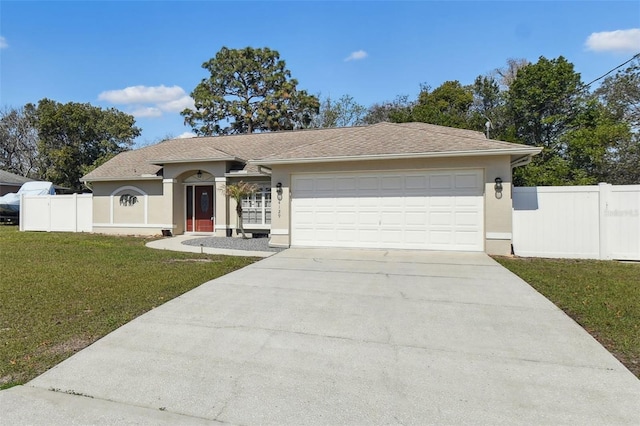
(279, 188)
(498, 187)
(199, 174)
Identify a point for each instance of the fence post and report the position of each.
(604, 191)
(75, 212)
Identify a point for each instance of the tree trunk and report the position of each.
(239, 211)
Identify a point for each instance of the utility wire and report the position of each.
(637, 55)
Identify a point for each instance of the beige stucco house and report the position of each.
(406, 186)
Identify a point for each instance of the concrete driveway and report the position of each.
(311, 336)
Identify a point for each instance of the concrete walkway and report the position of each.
(326, 337)
(175, 244)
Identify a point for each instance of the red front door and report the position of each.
(200, 208)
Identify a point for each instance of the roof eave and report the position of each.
(443, 154)
(118, 178)
(194, 160)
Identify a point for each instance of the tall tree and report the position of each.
(446, 105)
(620, 95)
(344, 112)
(542, 101)
(508, 73)
(75, 138)
(489, 109)
(396, 111)
(248, 90)
(19, 141)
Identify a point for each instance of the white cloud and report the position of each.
(186, 135)
(149, 101)
(615, 41)
(3, 43)
(142, 94)
(177, 105)
(357, 55)
(146, 112)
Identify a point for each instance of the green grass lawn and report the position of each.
(59, 292)
(601, 296)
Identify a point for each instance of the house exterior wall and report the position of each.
(178, 175)
(146, 216)
(497, 206)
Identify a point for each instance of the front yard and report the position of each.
(60, 292)
(603, 297)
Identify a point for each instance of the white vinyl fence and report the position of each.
(61, 213)
(579, 222)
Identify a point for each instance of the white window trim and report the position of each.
(265, 188)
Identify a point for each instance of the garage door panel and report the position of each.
(391, 236)
(466, 181)
(440, 181)
(466, 218)
(368, 184)
(442, 218)
(392, 183)
(346, 184)
(415, 183)
(419, 210)
(368, 218)
(392, 219)
(413, 219)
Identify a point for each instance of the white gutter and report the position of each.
(264, 170)
(194, 160)
(528, 151)
(121, 178)
(522, 161)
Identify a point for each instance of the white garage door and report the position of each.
(440, 210)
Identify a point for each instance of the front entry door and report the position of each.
(200, 208)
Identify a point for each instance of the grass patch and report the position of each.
(60, 292)
(601, 296)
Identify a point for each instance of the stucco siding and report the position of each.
(128, 207)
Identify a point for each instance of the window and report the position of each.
(256, 208)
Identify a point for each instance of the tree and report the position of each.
(447, 105)
(620, 94)
(248, 90)
(396, 111)
(75, 138)
(344, 112)
(19, 142)
(237, 192)
(543, 102)
(508, 73)
(488, 108)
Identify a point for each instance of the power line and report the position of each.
(637, 55)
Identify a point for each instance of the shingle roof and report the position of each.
(378, 140)
(389, 140)
(7, 178)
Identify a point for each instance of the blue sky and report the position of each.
(145, 57)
